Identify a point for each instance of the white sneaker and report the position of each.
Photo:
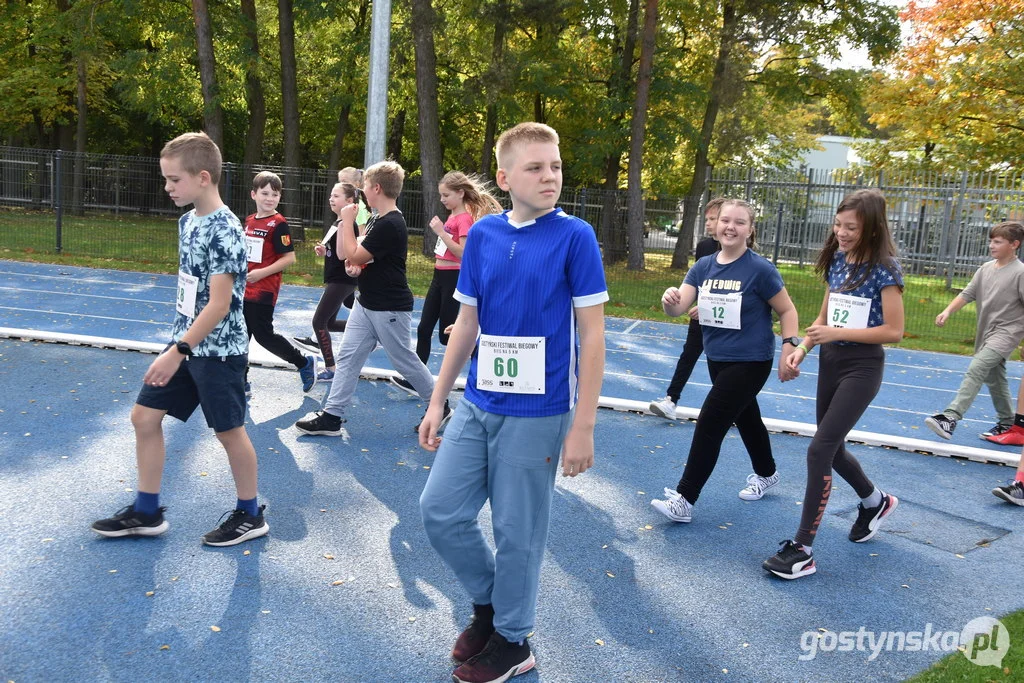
(756, 486)
(675, 507)
(666, 407)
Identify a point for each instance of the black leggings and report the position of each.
(325, 319)
(439, 305)
(732, 400)
(259, 318)
(848, 379)
(692, 349)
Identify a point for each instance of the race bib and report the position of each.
(720, 310)
(440, 248)
(848, 311)
(254, 249)
(188, 285)
(510, 365)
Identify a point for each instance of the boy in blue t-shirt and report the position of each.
(205, 362)
(531, 284)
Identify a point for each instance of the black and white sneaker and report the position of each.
(321, 423)
(870, 519)
(404, 384)
(307, 344)
(791, 562)
(237, 528)
(996, 429)
(128, 522)
(1013, 493)
(445, 417)
(941, 425)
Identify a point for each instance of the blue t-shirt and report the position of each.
(210, 245)
(839, 271)
(757, 280)
(525, 281)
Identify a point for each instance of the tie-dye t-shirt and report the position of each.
(210, 245)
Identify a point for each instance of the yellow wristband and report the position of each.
(807, 351)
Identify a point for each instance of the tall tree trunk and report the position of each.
(290, 115)
(81, 111)
(429, 125)
(213, 115)
(613, 238)
(394, 145)
(500, 18)
(341, 128)
(636, 138)
(253, 88)
(719, 81)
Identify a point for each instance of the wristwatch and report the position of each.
(795, 341)
(183, 348)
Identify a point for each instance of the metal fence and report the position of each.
(114, 207)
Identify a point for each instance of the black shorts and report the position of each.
(217, 383)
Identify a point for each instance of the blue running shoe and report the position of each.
(308, 374)
(325, 375)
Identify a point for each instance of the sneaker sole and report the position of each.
(996, 441)
(136, 531)
(876, 523)
(514, 671)
(806, 571)
(656, 409)
(999, 493)
(247, 536)
(664, 510)
(315, 350)
(934, 426)
(319, 432)
(394, 383)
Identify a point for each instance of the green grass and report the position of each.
(956, 667)
(147, 244)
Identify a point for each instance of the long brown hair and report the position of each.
(476, 195)
(876, 246)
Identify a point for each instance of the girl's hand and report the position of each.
(437, 226)
(671, 297)
(448, 330)
(351, 270)
(692, 313)
(823, 334)
(320, 250)
(941, 318)
(794, 360)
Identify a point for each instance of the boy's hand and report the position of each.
(437, 226)
(941, 318)
(448, 330)
(429, 440)
(254, 275)
(349, 210)
(577, 452)
(351, 270)
(671, 297)
(163, 368)
(320, 250)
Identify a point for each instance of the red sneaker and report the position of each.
(1014, 436)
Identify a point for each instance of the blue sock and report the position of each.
(146, 503)
(249, 506)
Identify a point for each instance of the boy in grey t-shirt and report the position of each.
(998, 289)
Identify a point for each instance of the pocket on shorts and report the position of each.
(533, 442)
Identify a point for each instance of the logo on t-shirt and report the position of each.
(286, 240)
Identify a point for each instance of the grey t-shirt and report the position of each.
(1000, 296)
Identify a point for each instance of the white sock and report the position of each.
(872, 501)
(807, 549)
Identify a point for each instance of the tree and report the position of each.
(257, 104)
(636, 138)
(956, 95)
(213, 115)
(426, 100)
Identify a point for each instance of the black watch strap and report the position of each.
(795, 341)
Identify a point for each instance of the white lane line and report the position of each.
(92, 296)
(82, 315)
(630, 328)
(121, 283)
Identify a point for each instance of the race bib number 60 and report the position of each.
(510, 365)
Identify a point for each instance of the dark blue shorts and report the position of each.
(217, 383)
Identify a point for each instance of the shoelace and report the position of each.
(227, 518)
(754, 483)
